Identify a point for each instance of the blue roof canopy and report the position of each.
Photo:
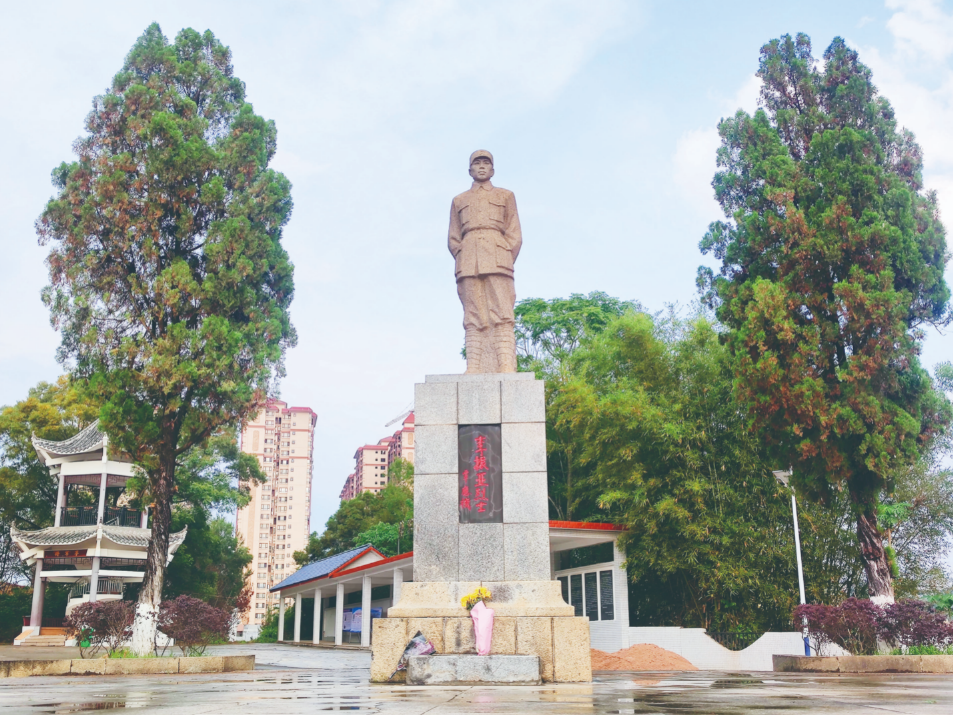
(321, 568)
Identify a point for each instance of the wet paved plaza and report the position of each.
(301, 680)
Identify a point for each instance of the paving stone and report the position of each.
(142, 666)
(481, 551)
(534, 636)
(436, 556)
(523, 401)
(432, 629)
(572, 661)
(206, 664)
(390, 639)
(51, 667)
(936, 663)
(435, 403)
(435, 449)
(526, 552)
(458, 636)
(19, 668)
(88, 666)
(504, 636)
(528, 598)
(482, 377)
(449, 669)
(478, 403)
(235, 663)
(524, 447)
(525, 497)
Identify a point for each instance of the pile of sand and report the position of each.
(640, 657)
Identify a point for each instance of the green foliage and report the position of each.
(269, 625)
(50, 411)
(382, 537)
(832, 260)
(942, 602)
(392, 506)
(211, 564)
(168, 280)
(923, 650)
(548, 331)
(661, 448)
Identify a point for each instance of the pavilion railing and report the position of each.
(106, 586)
(89, 515)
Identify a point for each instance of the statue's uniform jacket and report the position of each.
(484, 236)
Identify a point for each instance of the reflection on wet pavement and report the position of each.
(296, 680)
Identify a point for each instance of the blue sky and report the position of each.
(601, 115)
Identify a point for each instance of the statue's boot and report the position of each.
(474, 343)
(504, 340)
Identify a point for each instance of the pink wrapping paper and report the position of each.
(482, 627)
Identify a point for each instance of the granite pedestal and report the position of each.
(510, 557)
(466, 669)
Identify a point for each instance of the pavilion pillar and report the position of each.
(39, 586)
(398, 584)
(339, 615)
(298, 617)
(57, 517)
(316, 635)
(102, 499)
(94, 581)
(281, 617)
(366, 612)
(145, 517)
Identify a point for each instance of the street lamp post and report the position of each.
(783, 477)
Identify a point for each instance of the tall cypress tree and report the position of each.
(168, 280)
(832, 264)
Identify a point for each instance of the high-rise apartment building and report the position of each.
(372, 461)
(277, 520)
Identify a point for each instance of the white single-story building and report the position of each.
(349, 589)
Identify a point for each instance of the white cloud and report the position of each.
(693, 164)
(921, 27)
(916, 76)
(694, 168)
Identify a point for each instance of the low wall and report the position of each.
(695, 646)
(864, 664)
(127, 666)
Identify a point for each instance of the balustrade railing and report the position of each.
(89, 515)
(106, 586)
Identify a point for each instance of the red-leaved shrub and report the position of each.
(193, 623)
(858, 626)
(915, 623)
(105, 625)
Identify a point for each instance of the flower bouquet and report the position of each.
(481, 616)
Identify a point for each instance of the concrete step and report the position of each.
(43, 641)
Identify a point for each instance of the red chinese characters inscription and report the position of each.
(480, 474)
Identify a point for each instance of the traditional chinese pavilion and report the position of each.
(98, 549)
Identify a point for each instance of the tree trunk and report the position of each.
(879, 581)
(150, 595)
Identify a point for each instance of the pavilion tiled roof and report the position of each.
(321, 568)
(84, 441)
(67, 535)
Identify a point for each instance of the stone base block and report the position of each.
(559, 645)
(511, 599)
(466, 669)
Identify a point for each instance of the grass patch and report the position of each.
(923, 650)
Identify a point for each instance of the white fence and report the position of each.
(695, 646)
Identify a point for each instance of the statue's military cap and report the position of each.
(481, 153)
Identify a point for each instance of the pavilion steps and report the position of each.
(44, 639)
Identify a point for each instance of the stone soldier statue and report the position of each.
(485, 240)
